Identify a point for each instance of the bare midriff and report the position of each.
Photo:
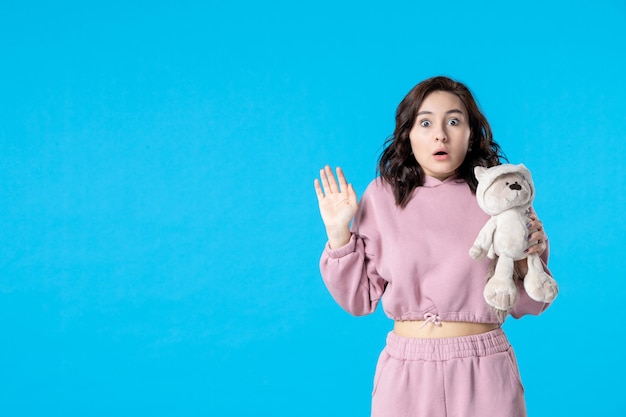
(429, 330)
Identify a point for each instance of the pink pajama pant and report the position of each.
(452, 377)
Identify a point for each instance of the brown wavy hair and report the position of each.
(397, 164)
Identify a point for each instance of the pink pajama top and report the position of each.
(416, 259)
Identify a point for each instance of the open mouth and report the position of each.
(441, 151)
(441, 155)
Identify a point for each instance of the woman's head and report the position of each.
(448, 118)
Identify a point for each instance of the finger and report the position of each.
(318, 190)
(352, 195)
(537, 248)
(332, 183)
(342, 179)
(531, 250)
(537, 243)
(536, 237)
(534, 226)
(532, 230)
(324, 179)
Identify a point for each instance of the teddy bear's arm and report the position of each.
(484, 240)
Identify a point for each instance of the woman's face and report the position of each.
(440, 136)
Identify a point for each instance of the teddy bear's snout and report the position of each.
(515, 186)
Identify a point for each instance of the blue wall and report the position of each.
(159, 232)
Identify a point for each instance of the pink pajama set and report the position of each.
(416, 260)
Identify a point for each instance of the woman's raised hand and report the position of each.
(338, 204)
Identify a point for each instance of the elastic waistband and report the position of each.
(443, 349)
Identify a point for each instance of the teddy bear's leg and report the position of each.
(500, 291)
(538, 284)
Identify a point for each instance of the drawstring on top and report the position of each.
(431, 318)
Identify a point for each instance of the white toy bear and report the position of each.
(506, 192)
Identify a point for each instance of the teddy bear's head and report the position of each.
(503, 187)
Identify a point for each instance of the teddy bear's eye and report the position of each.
(507, 183)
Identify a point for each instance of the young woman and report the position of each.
(407, 242)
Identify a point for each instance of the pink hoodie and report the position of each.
(417, 258)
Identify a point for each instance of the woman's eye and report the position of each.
(424, 123)
(453, 122)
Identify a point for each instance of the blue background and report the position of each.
(159, 232)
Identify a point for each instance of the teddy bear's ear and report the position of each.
(479, 172)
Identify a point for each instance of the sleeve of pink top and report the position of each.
(351, 278)
(526, 305)
(350, 272)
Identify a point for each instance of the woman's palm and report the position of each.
(337, 200)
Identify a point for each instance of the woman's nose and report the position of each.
(441, 136)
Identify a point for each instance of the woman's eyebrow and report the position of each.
(448, 112)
